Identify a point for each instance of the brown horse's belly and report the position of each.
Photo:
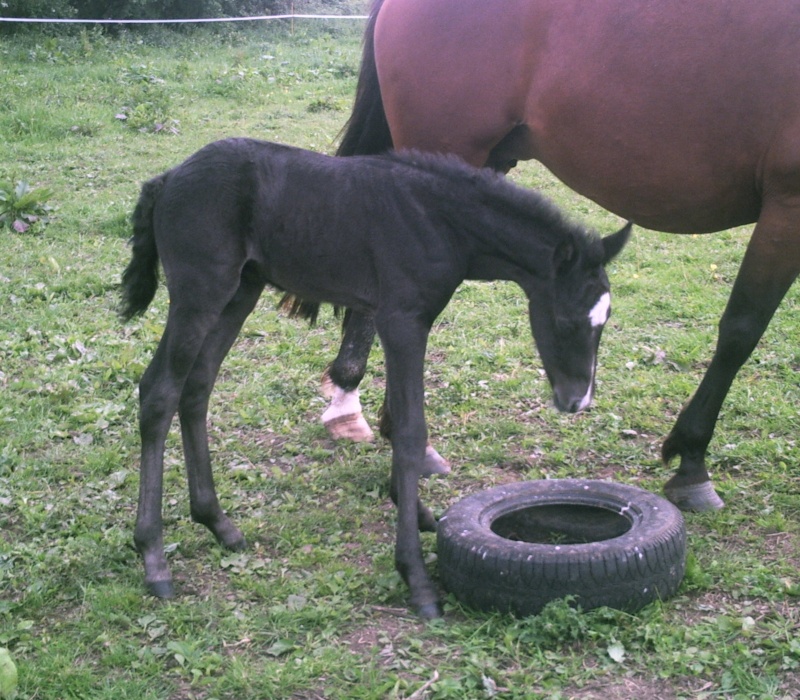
(675, 190)
(663, 113)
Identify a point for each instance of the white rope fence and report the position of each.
(258, 18)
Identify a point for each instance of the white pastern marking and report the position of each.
(600, 311)
(343, 403)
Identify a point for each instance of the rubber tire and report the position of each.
(489, 572)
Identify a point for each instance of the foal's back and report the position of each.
(327, 229)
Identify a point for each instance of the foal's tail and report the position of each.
(367, 130)
(140, 279)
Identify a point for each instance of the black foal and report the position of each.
(390, 237)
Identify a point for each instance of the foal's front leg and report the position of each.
(343, 418)
(404, 345)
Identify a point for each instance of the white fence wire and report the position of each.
(258, 18)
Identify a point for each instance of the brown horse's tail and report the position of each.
(140, 279)
(367, 130)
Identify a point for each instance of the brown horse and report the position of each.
(681, 115)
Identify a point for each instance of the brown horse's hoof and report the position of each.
(696, 498)
(434, 463)
(349, 427)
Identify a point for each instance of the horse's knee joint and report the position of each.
(146, 536)
(738, 337)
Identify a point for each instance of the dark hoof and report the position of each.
(237, 545)
(694, 498)
(227, 534)
(161, 589)
(430, 611)
(425, 520)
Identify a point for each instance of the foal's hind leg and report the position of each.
(770, 265)
(193, 410)
(159, 394)
(343, 418)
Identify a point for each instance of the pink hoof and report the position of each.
(434, 463)
(343, 419)
(349, 427)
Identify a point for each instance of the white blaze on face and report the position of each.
(597, 317)
(600, 311)
(586, 401)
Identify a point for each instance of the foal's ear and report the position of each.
(564, 257)
(613, 244)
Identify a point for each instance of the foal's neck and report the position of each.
(513, 246)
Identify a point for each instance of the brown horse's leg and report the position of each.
(193, 410)
(770, 265)
(404, 344)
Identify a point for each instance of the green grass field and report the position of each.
(314, 609)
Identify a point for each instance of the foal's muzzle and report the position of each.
(568, 401)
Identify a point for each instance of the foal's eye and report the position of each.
(571, 324)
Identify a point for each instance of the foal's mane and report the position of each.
(469, 187)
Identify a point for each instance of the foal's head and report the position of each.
(568, 311)
(517, 234)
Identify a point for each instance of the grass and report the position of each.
(314, 609)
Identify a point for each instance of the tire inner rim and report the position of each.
(561, 523)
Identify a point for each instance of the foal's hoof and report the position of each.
(430, 611)
(238, 545)
(425, 520)
(160, 589)
(434, 463)
(697, 498)
(349, 427)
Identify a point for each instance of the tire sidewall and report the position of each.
(488, 571)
